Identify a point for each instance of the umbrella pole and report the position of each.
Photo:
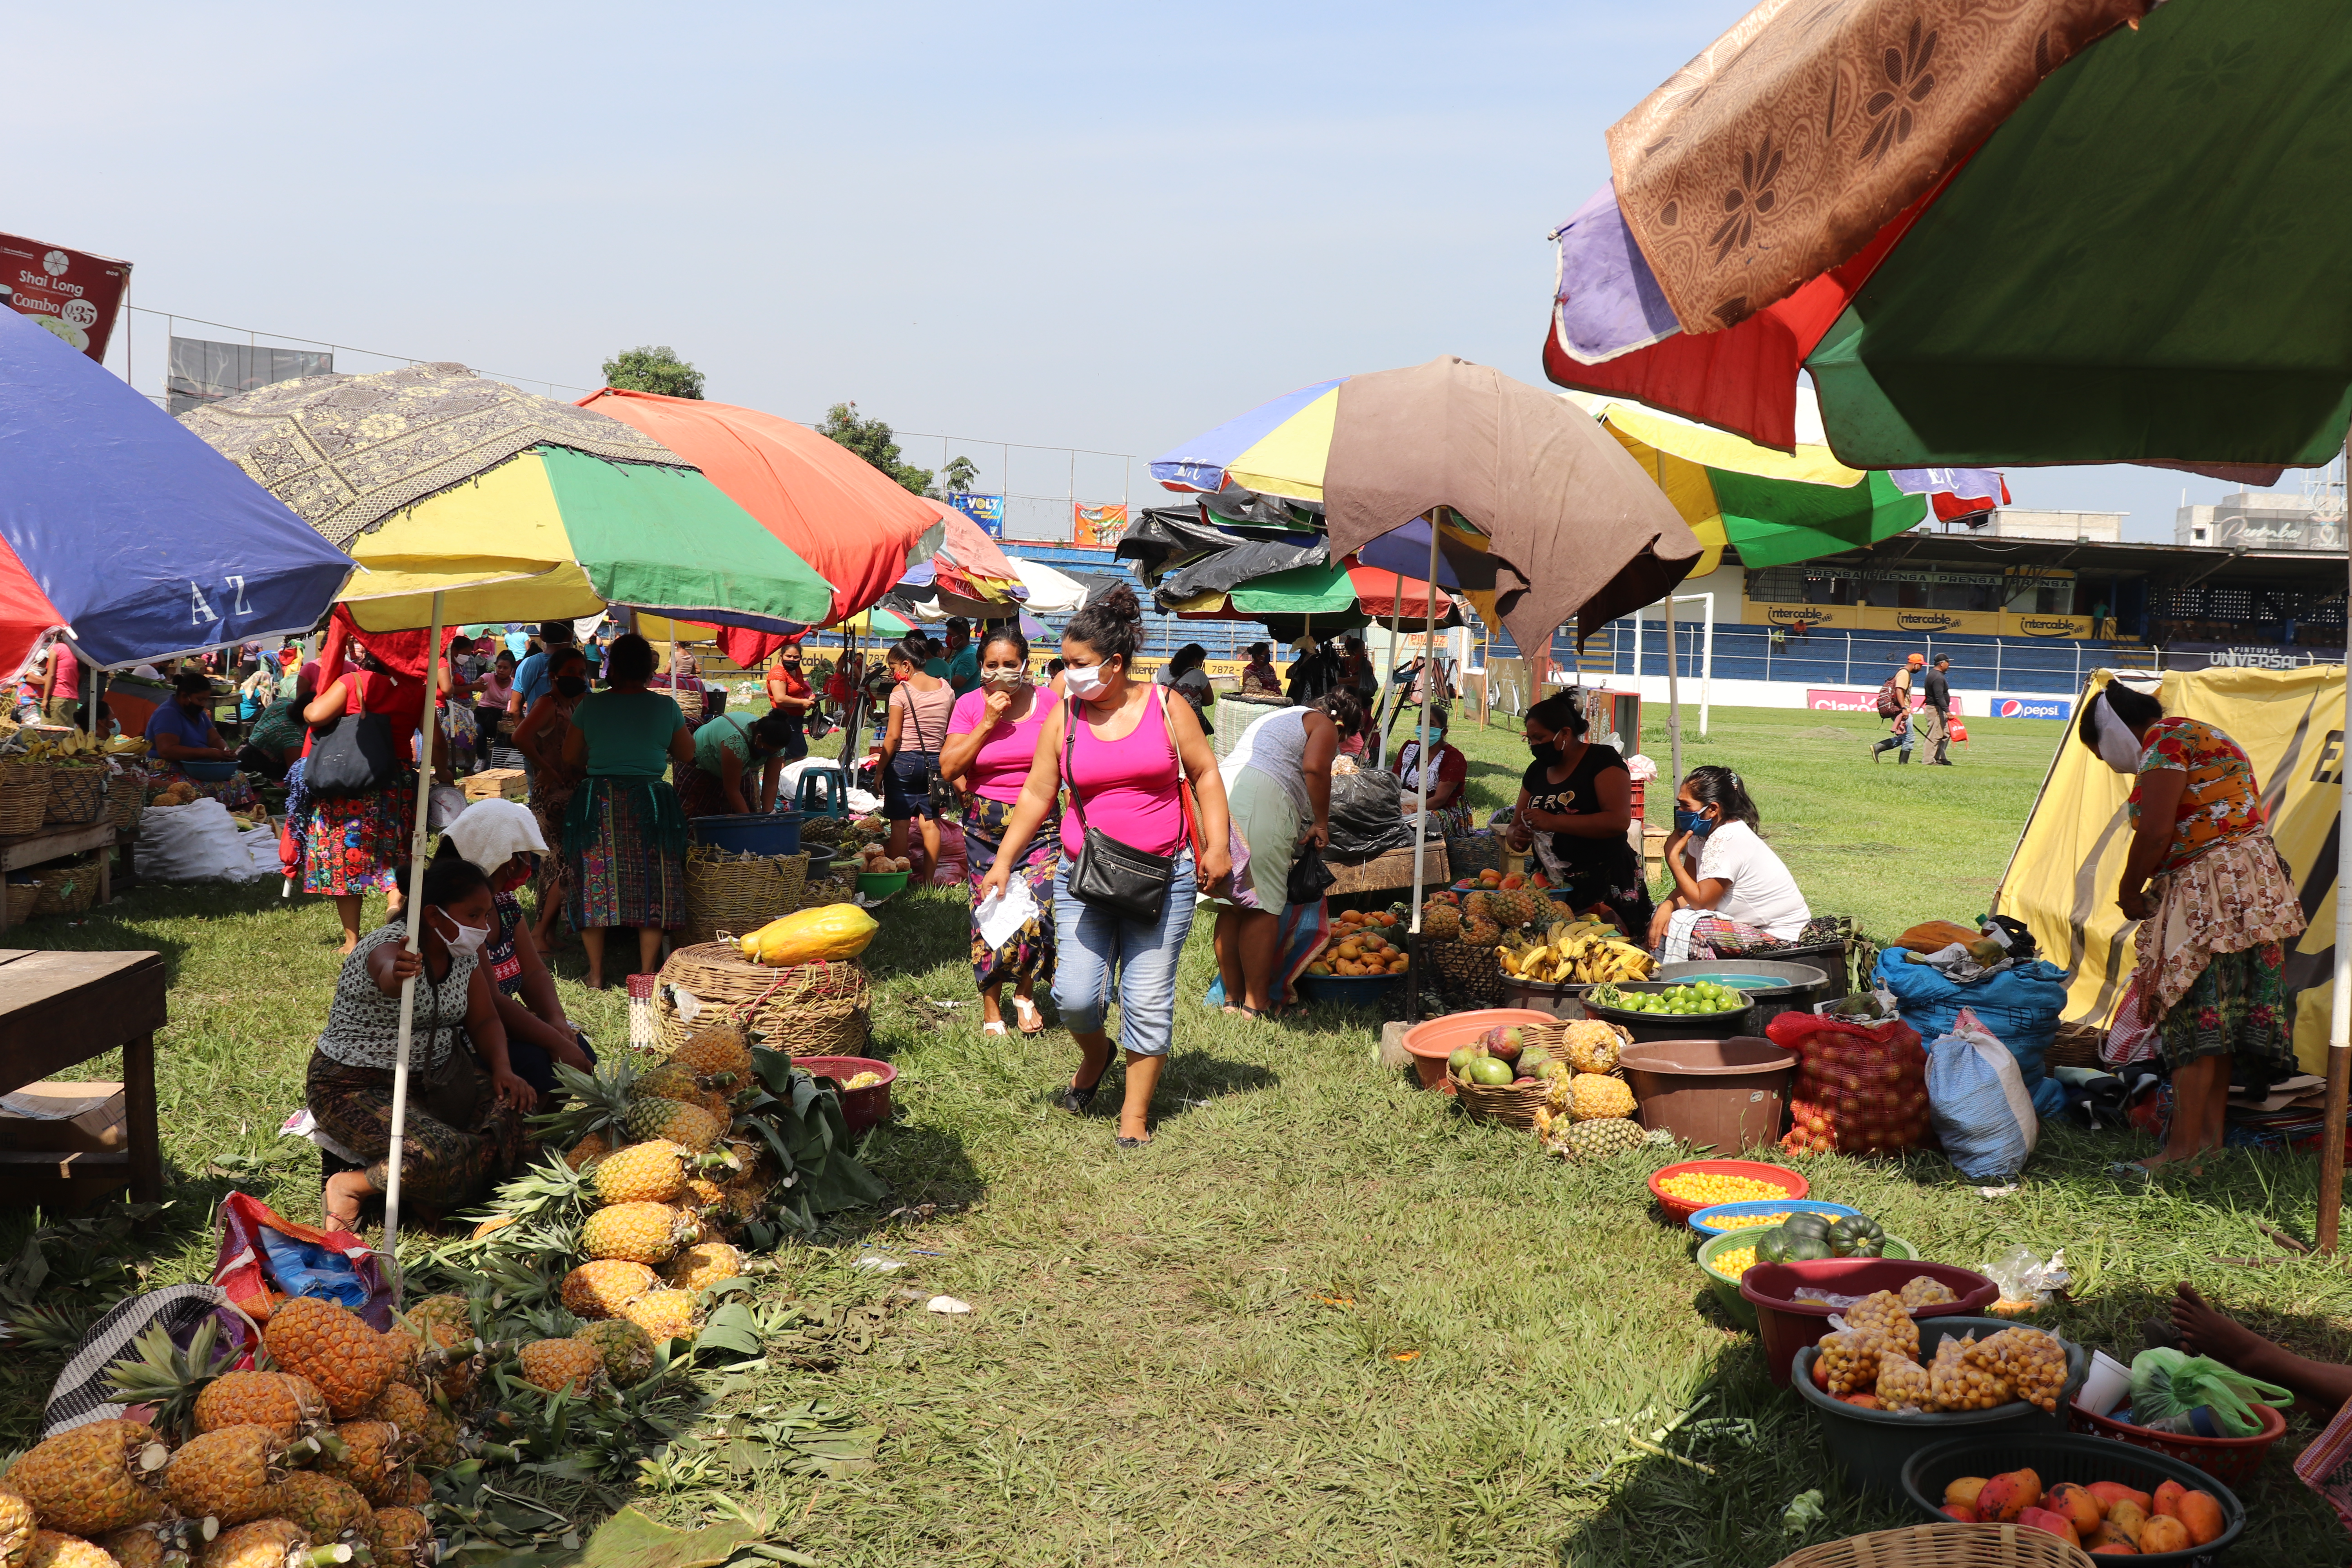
(1382, 711)
(1674, 696)
(1420, 811)
(425, 732)
(2339, 1010)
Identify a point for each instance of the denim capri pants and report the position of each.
(1090, 942)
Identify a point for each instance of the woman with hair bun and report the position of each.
(1124, 750)
(918, 712)
(1278, 794)
(1576, 801)
(1732, 893)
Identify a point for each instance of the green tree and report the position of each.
(871, 439)
(959, 474)
(652, 367)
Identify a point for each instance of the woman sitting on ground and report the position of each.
(2199, 1328)
(464, 1127)
(1576, 801)
(502, 838)
(2216, 908)
(1732, 895)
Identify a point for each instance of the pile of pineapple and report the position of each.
(1588, 1114)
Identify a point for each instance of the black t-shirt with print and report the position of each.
(1578, 795)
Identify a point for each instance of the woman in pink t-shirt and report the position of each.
(992, 738)
(1130, 747)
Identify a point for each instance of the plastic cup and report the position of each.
(2107, 1384)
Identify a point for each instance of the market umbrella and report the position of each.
(128, 533)
(463, 500)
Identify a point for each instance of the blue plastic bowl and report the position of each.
(1347, 990)
(754, 833)
(1702, 1221)
(208, 773)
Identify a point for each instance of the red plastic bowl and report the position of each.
(1682, 1209)
(2232, 1461)
(1432, 1042)
(860, 1107)
(1787, 1325)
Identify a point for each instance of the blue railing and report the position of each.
(1842, 659)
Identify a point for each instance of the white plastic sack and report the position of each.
(198, 842)
(262, 850)
(1978, 1100)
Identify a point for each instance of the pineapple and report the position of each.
(231, 1475)
(268, 1543)
(600, 1290)
(638, 1232)
(706, 1263)
(166, 1377)
(332, 1348)
(1481, 931)
(155, 1545)
(94, 1478)
(675, 1121)
(404, 1357)
(417, 1415)
(627, 1350)
(717, 1051)
(1478, 906)
(702, 1195)
(663, 1314)
(610, 1105)
(671, 1081)
(491, 1226)
(410, 1490)
(400, 1538)
(1604, 1137)
(560, 1364)
(1593, 1096)
(16, 1527)
(375, 1454)
(1593, 1046)
(289, 1406)
(651, 1172)
(587, 1152)
(717, 1106)
(1441, 922)
(442, 1327)
(326, 1507)
(51, 1550)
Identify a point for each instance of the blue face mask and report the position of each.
(1693, 822)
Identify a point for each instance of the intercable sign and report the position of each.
(72, 293)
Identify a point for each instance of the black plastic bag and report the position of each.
(1366, 816)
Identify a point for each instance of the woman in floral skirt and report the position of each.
(624, 835)
(992, 737)
(354, 844)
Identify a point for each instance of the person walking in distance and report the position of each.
(1936, 711)
(1894, 707)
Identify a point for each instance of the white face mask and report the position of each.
(1001, 676)
(2118, 747)
(469, 939)
(1086, 682)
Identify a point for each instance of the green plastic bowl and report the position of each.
(879, 885)
(1726, 1287)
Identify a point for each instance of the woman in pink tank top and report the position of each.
(1126, 749)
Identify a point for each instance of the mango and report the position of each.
(1960, 1511)
(2077, 1504)
(2125, 1518)
(2115, 1549)
(2163, 1532)
(2111, 1492)
(2168, 1500)
(2201, 1513)
(2109, 1536)
(1962, 1491)
(2007, 1495)
(2057, 1524)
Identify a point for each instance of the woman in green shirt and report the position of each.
(724, 751)
(624, 835)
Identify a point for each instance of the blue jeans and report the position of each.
(1089, 941)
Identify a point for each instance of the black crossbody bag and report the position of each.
(1131, 882)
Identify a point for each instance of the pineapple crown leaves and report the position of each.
(168, 1377)
(599, 1101)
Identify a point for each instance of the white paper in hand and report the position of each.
(1002, 915)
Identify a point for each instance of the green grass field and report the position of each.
(1323, 1317)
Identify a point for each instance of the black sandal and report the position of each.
(1076, 1099)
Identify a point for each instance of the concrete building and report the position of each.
(2019, 522)
(2265, 520)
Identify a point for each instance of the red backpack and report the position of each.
(1890, 701)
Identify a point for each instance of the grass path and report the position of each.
(1321, 1318)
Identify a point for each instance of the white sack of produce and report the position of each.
(1978, 1100)
(199, 842)
(261, 848)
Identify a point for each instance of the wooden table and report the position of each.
(56, 844)
(60, 1008)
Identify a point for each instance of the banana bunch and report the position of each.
(1583, 951)
(74, 748)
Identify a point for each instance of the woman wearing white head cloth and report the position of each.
(502, 837)
(2216, 908)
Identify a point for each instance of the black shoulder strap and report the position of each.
(1069, 755)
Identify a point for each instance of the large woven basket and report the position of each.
(1466, 972)
(1945, 1546)
(806, 1009)
(76, 796)
(22, 897)
(1513, 1105)
(24, 797)
(2077, 1046)
(126, 800)
(67, 888)
(735, 892)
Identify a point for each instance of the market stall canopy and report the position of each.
(2042, 237)
(513, 507)
(1222, 571)
(119, 526)
(1050, 592)
(850, 521)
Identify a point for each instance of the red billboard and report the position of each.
(73, 293)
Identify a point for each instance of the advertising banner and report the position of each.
(986, 511)
(2246, 656)
(2033, 707)
(72, 293)
(201, 372)
(1830, 701)
(1098, 527)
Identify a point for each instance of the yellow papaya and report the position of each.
(829, 933)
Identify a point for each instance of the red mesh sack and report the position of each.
(1862, 1086)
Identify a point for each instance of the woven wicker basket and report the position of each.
(2077, 1046)
(76, 796)
(1466, 972)
(22, 897)
(126, 800)
(808, 1009)
(24, 797)
(1513, 1105)
(67, 888)
(736, 892)
(1945, 1546)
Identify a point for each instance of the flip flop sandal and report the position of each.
(1033, 1022)
(992, 1026)
(1133, 1142)
(2130, 1170)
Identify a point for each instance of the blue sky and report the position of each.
(1087, 226)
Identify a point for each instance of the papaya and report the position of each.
(827, 933)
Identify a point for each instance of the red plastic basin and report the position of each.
(860, 1107)
(1793, 1183)
(1432, 1042)
(1787, 1325)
